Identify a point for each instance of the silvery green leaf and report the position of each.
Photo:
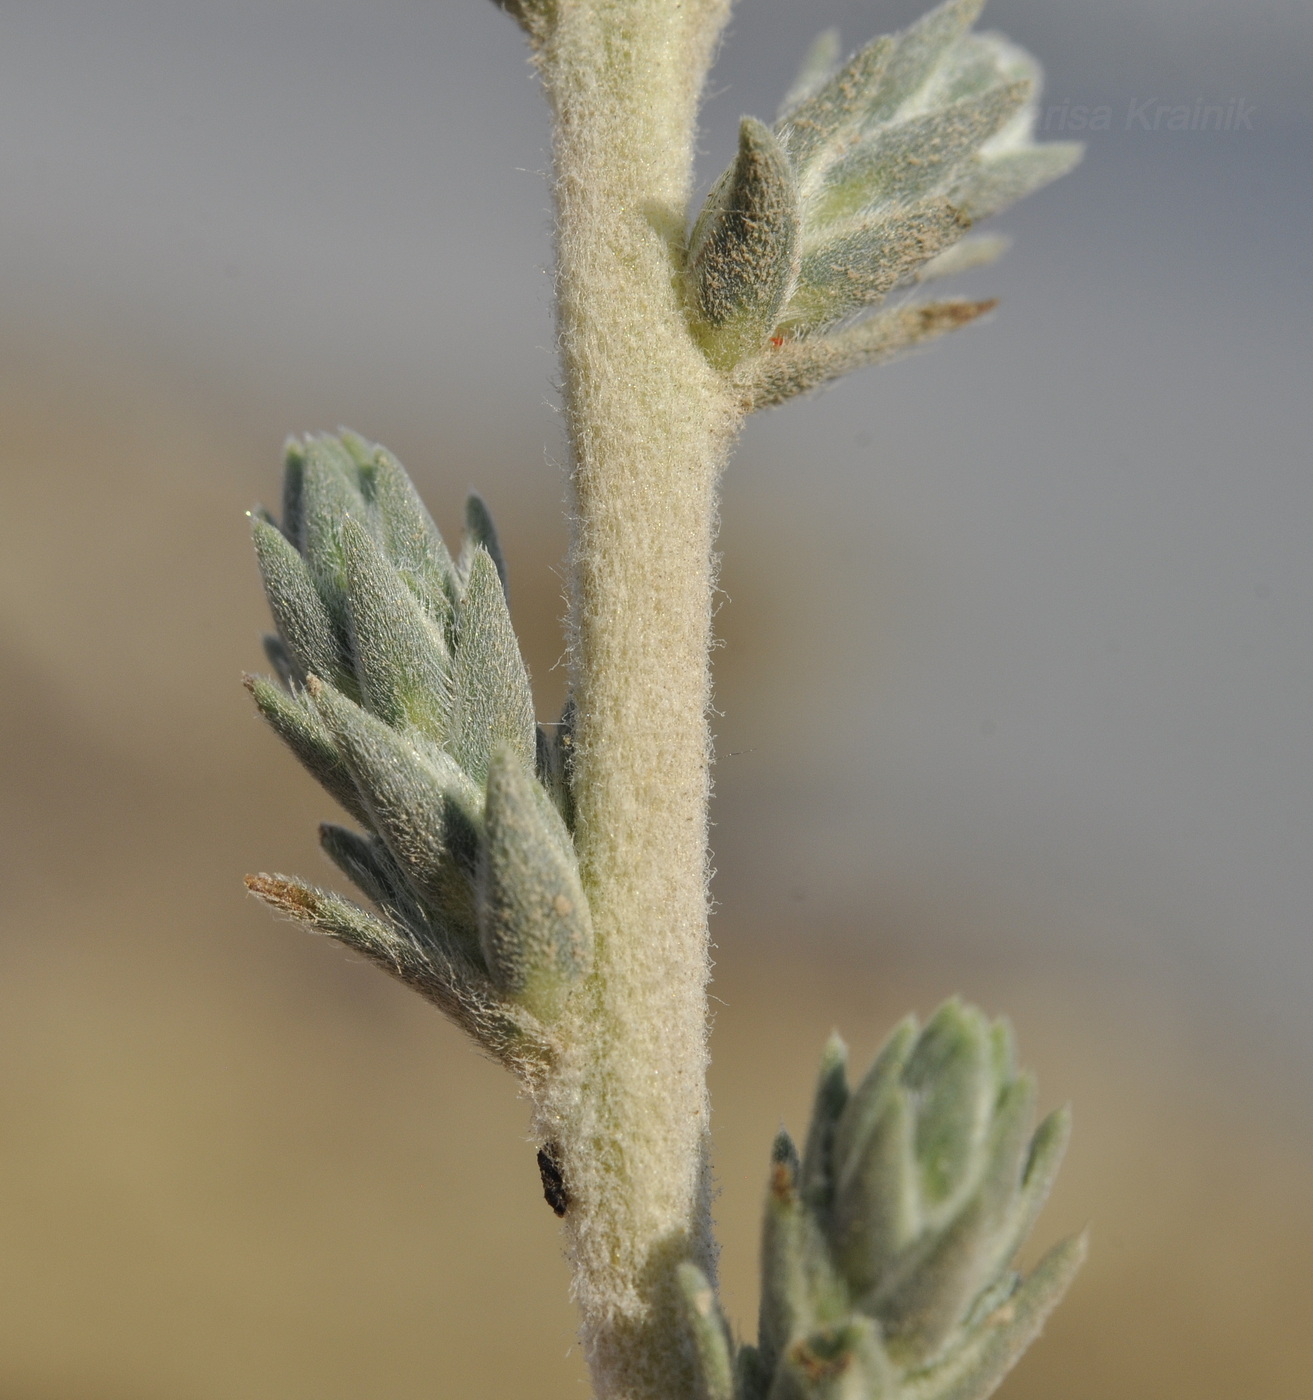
(974, 1369)
(293, 522)
(743, 252)
(1044, 1157)
(826, 123)
(480, 531)
(399, 651)
(328, 497)
(302, 620)
(446, 979)
(491, 700)
(867, 1101)
(994, 182)
(751, 1378)
(841, 1362)
(280, 659)
(918, 51)
(331, 452)
(976, 63)
(801, 365)
(818, 63)
(1008, 1146)
(706, 1327)
(799, 1288)
(922, 1305)
(902, 163)
(950, 1075)
(877, 1216)
(1003, 1050)
(368, 864)
(420, 803)
(409, 537)
(301, 729)
(816, 1179)
(860, 264)
(534, 924)
(331, 914)
(978, 250)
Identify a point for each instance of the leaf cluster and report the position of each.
(866, 184)
(401, 689)
(888, 1244)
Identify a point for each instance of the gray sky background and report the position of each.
(1032, 636)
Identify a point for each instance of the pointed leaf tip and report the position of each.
(708, 1332)
(743, 252)
(481, 531)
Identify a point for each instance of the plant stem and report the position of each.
(650, 425)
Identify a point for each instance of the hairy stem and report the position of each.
(650, 424)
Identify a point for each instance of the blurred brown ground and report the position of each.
(236, 1163)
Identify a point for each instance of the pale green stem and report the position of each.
(650, 424)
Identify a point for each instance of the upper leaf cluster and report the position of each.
(874, 170)
(401, 688)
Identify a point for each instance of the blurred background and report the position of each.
(1014, 700)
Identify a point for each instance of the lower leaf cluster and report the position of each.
(888, 1245)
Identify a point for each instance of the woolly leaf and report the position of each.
(400, 654)
(977, 251)
(328, 497)
(1047, 1149)
(301, 729)
(1009, 1141)
(859, 265)
(743, 252)
(293, 493)
(447, 980)
(923, 1310)
(491, 700)
(385, 946)
(994, 182)
(368, 864)
(799, 1289)
(843, 1362)
(818, 63)
(868, 1101)
(903, 163)
(422, 805)
(409, 537)
(817, 1178)
(280, 658)
(480, 531)
(801, 365)
(976, 63)
(877, 1216)
(302, 620)
(825, 122)
(534, 924)
(918, 50)
(974, 1371)
(950, 1076)
(751, 1378)
(710, 1337)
